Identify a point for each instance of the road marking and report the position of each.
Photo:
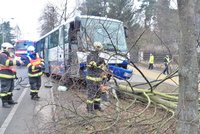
(52, 97)
(53, 107)
(12, 113)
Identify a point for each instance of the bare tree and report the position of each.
(48, 19)
(187, 110)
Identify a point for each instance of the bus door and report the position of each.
(61, 51)
(46, 56)
(42, 46)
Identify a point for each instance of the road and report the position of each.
(30, 116)
(27, 116)
(152, 75)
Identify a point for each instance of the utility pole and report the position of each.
(65, 12)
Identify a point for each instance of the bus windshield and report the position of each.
(109, 33)
(22, 45)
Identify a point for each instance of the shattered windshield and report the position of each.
(109, 33)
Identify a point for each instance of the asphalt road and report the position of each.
(28, 116)
(152, 75)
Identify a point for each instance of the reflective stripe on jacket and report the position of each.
(95, 67)
(35, 62)
(167, 60)
(95, 79)
(7, 66)
(35, 75)
(35, 72)
(3, 94)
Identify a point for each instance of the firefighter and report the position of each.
(94, 78)
(35, 70)
(8, 74)
(166, 63)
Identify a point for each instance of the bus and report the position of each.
(21, 46)
(66, 47)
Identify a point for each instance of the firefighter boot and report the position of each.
(32, 95)
(90, 108)
(5, 102)
(97, 106)
(36, 96)
(10, 100)
(104, 96)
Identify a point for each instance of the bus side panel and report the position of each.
(61, 49)
(60, 60)
(46, 56)
(66, 46)
(56, 63)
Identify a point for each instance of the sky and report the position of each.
(25, 14)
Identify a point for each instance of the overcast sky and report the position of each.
(25, 14)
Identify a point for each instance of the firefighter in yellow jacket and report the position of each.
(35, 71)
(94, 78)
(7, 73)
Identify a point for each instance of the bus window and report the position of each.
(110, 33)
(65, 34)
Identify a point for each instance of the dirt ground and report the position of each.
(126, 116)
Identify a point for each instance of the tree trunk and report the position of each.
(187, 110)
(197, 9)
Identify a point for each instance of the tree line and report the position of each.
(6, 34)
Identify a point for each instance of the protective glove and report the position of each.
(42, 67)
(21, 62)
(92, 64)
(104, 88)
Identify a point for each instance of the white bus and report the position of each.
(65, 48)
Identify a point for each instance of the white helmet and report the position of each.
(98, 46)
(5, 46)
(31, 49)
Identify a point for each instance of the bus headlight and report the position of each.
(128, 55)
(127, 75)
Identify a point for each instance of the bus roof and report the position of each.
(81, 16)
(99, 17)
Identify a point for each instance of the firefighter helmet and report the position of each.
(98, 46)
(6, 46)
(31, 49)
